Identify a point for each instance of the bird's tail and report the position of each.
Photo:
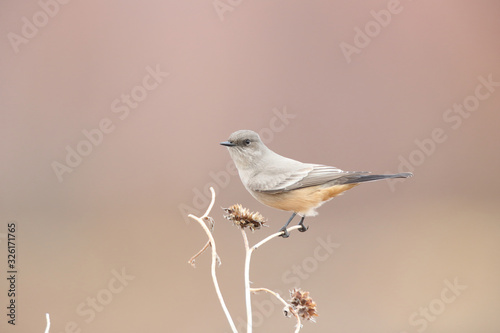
(362, 177)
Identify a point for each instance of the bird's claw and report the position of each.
(284, 233)
(303, 228)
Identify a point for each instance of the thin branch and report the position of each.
(248, 257)
(193, 258)
(211, 203)
(207, 244)
(287, 306)
(214, 259)
(48, 323)
(268, 238)
(248, 299)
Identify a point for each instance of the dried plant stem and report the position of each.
(47, 328)
(249, 251)
(287, 306)
(214, 258)
(193, 258)
(207, 244)
(248, 300)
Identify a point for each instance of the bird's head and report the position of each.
(246, 148)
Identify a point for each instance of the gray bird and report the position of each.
(287, 184)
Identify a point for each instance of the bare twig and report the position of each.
(248, 300)
(248, 257)
(268, 238)
(287, 306)
(48, 323)
(215, 258)
(193, 258)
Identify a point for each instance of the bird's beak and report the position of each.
(227, 144)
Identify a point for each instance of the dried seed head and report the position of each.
(244, 218)
(303, 304)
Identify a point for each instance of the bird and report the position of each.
(287, 184)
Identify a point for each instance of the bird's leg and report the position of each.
(301, 223)
(283, 229)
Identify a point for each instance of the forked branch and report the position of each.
(248, 257)
(286, 309)
(215, 257)
(300, 306)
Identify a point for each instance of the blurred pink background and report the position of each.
(277, 68)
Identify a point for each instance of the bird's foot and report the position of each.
(284, 233)
(303, 228)
(283, 229)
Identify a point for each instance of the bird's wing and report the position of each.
(275, 180)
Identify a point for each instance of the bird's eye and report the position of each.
(247, 142)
